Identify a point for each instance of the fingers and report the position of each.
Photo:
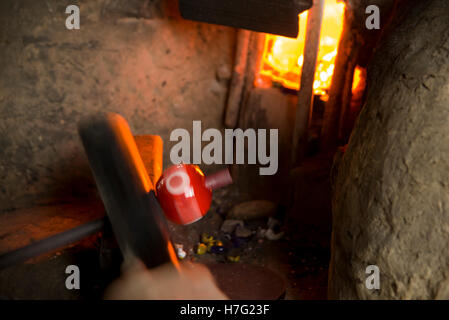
(202, 285)
(192, 281)
(132, 264)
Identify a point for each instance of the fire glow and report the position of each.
(283, 58)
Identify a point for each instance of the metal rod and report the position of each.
(51, 243)
(305, 94)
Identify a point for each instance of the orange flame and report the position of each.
(358, 81)
(282, 58)
(173, 256)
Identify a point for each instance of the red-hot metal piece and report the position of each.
(185, 194)
(218, 179)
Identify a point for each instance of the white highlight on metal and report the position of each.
(182, 187)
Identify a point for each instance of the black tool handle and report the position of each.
(125, 188)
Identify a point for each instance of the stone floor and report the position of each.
(301, 256)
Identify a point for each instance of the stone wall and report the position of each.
(138, 58)
(391, 193)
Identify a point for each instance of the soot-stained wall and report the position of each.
(138, 58)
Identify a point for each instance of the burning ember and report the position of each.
(359, 79)
(283, 57)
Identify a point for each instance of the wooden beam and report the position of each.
(332, 111)
(305, 94)
(150, 149)
(238, 79)
(271, 16)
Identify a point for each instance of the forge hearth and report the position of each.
(335, 136)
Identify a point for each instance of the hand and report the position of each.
(191, 282)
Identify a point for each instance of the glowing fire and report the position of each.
(283, 57)
(358, 80)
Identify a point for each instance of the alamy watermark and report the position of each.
(73, 280)
(373, 280)
(73, 20)
(234, 140)
(373, 20)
